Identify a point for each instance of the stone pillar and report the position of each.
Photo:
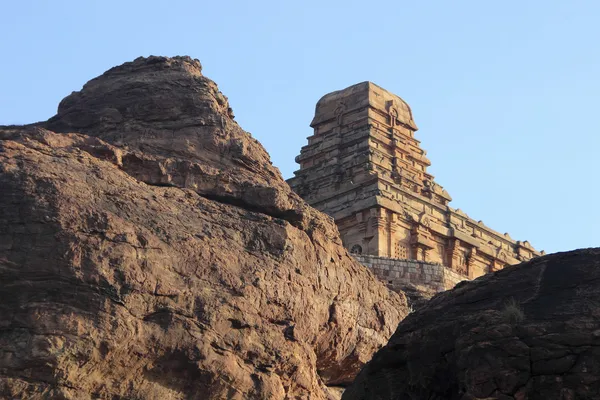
(392, 229)
(455, 256)
(470, 262)
(379, 228)
(360, 222)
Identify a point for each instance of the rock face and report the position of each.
(157, 254)
(530, 331)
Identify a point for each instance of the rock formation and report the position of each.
(530, 331)
(149, 250)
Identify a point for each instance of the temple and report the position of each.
(365, 168)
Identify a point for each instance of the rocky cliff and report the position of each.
(530, 331)
(149, 250)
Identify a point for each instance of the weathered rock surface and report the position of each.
(530, 331)
(156, 254)
(416, 295)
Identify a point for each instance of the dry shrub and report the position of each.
(512, 312)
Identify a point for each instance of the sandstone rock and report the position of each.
(178, 130)
(157, 254)
(530, 331)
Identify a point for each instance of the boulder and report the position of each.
(149, 250)
(530, 331)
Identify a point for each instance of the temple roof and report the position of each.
(360, 96)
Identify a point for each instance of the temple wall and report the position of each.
(382, 233)
(400, 273)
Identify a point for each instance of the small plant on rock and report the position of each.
(512, 312)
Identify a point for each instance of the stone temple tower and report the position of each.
(365, 168)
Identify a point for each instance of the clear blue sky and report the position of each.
(505, 93)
